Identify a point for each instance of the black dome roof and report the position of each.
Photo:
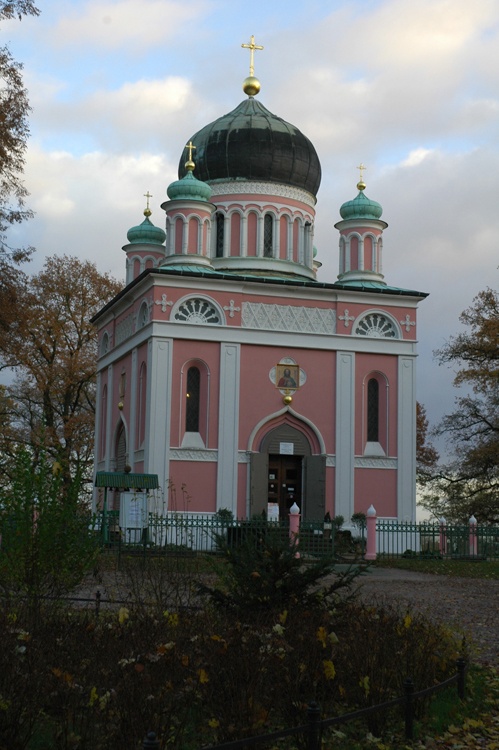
(253, 144)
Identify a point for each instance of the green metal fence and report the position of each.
(195, 532)
(467, 541)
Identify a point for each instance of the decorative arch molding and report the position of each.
(199, 310)
(286, 416)
(377, 324)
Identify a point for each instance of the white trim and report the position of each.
(406, 440)
(247, 187)
(158, 422)
(238, 264)
(345, 434)
(228, 426)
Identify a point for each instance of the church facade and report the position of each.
(226, 366)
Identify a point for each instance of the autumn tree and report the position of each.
(469, 484)
(426, 455)
(14, 132)
(53, 350)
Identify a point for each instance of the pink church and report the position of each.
(227, 368)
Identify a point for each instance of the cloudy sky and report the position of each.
(408, 87)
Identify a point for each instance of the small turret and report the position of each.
(188, 218)
(361, 241)
(146, 245)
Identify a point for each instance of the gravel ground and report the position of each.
(471, 606)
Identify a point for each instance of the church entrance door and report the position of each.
(285, 482)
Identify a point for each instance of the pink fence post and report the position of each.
(294, 526)
(473, 537)
(371, 534)
(443, 536)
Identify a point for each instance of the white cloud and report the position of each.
(416, 157)
(137, 24)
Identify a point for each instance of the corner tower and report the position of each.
(361, 241)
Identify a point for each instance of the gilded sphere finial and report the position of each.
(147, 212)
(288, 400)
(189, 165)
(251, 86)
(361, 185)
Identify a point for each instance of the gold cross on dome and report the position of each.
(147, 195)
(191, 147)
(361, 167)
(252, 47)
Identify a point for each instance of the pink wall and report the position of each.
(368, 253)
(314, 400)
(377, 487)
(252, 234)
(179, 234)
(235, 235)
(193, 236)
(193, 486)
(283, 237)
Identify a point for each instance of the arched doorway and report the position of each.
(285, 472)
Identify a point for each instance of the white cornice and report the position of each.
(242, 187)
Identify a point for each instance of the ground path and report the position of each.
(471, 605)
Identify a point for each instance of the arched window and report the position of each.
(268, 236)
(220, 234)
(104, 344)
(373, 411)
(192, 398)
(121, 449)
(143, 316)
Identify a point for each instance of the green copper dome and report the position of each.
(189, 188)
(146, 233)
(361, 207)
(250, 143)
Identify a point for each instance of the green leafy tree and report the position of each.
(14, 132)
(46, 544)
(426, 455)
(469, 483)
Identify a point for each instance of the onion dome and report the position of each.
(146, 233)
(189, 187)
(251, 143)
(361, 207)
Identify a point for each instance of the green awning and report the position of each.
(126, 480)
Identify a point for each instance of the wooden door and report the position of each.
(285, 482)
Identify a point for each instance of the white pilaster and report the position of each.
(406, 439)
(109, 413)
(259, 236)
(133, 409)
(159, 377)
(228, 426)
(244, 236)
(345, 432)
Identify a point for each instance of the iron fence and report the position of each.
(312, 731)
(196, 532)
(437, 540)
